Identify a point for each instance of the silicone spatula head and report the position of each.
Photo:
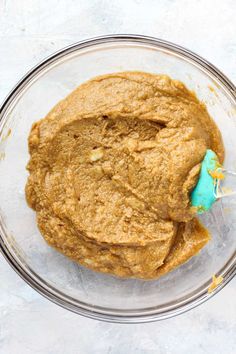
(203, 195)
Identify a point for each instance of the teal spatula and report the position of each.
(209, 187)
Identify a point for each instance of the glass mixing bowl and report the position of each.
(64, 282)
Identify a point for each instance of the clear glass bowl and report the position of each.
(64, 282)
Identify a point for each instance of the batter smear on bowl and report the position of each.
(111, 170)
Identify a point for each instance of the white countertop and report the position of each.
(33, 29)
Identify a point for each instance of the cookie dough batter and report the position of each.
(111, 169)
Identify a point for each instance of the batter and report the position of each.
(111, 170)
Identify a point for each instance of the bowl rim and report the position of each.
(65, 301)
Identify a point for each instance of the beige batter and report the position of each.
(111, 170)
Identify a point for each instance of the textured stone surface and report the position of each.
(31, 30)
